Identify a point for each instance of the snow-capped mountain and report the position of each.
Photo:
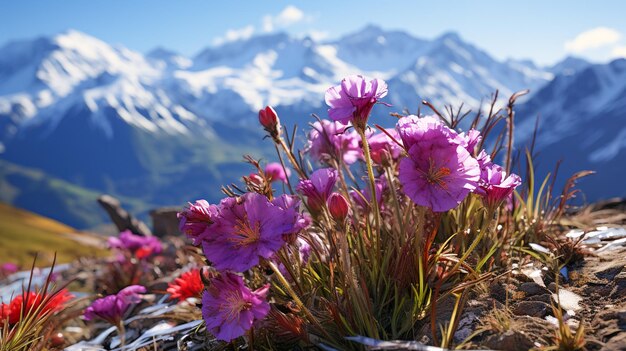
(165, 128)
(586, 115)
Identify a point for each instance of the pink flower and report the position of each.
(196, 219)
(382, 146)
(472, 138)
(8, 268)
(413, 129)
(230, 308)
(275, 172)
(438, 172)
(112, 308)
(329, 141)
(247, 230)
(494, 185)
(353, 100)
(318, 187)
(139, 245)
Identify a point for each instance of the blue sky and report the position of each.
(545, 31)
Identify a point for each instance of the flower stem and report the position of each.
(291, 158)
(121, 331)
(295, 297)
(372, 179)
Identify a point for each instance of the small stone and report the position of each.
(621, 317)
(547, 298)
(616, 343)
(609, 270)
(511, 340)
(532, 288)
(497, 291)
(552, 287)
(531, 308)
(568, 300)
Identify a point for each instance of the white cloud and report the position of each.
(235, 34)
(318, 35)
(593, 39)
(288, 16)
(619, 52)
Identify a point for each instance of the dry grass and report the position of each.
(23, 234)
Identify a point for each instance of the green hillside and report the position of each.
(54, 198)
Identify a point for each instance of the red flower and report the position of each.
(32, 302)
(187, 285)
(5, 310)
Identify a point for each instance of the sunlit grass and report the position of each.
(22, 234)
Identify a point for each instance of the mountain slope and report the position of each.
(163, 129)
(583, 123)
(23, 233)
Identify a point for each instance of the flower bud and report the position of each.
(269, 120)
(338, 207)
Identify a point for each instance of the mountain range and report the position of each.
(159, 128)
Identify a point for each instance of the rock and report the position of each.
(531, 308)
(568, 300)
(608, 270)
(552, 287)
(165, 221)
(497, 291)
(511, 340)
(532, 288)
(616, 343)
(621, 317)
(122, 219)
(546, 298)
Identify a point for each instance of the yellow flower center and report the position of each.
(245, 233)
(436, 175)
(233, 306)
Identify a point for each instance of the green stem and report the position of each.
(291, 158)
(295, 297)
(372, 180)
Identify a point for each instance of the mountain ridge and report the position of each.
(165, 128)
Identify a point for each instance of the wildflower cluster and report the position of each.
(349, 253)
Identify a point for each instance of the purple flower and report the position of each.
(382, 146)
(353, 99)
(246, 230)
(141, 246)
(304, 253)
(196, 219)
(438, 172)
(364, 197)
(229, 307)
(483, 158)
(472, 138)
(112, 308)
(318, 187)
(413, 129)
(329, 141)
(291, 205)
(494, 185)
(274, 172)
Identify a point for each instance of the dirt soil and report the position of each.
(516, 313)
